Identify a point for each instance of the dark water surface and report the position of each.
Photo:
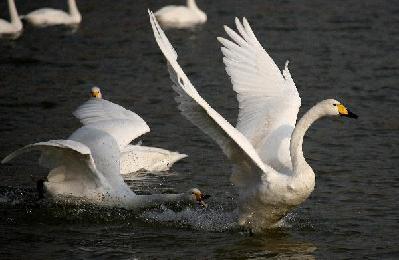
(346, 50)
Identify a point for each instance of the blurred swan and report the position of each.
(49, 16)
(86, 166)
(270, 170)
(181, 16)
(13, 28)
(139, 157)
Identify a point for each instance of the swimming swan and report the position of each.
(86, 166)
(181, 16)
(139, 157)
(49, 16)
(270, 171)
(15, 26)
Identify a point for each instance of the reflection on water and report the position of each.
(273, 244)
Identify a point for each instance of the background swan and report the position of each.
(15, 26)
(270, 171)
(181, 16)
(49, 16)
(86, 165)
(137, 157)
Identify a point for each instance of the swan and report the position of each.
(269, 170)
(181, 16)
(49, 16)
(15, 26)
(139, 157)
(86, 166)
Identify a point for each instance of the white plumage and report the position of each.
(13, 28)
(181, 16)
(86, 166)
(270, 170)
(136, 158)
(133, 157)
(49, 16)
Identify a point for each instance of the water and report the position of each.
(346, 50)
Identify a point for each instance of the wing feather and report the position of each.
(69, 161)
(268, 98)
(124, 125)
(212, 121)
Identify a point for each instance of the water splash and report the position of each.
(215, 219)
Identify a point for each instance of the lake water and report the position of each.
(346, 50)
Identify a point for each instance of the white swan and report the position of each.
(181, 16)
(15, 26)
(86, 166)
(139, 157)
(49, 16)
(266, 147)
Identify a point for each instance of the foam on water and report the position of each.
(209, 219)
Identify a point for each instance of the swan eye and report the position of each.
(334, 105)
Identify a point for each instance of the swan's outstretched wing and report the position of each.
(268, 99)
(72, 166)
(124, 125)
(203, 115)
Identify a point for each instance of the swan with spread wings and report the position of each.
(269, 170)
(86, 166)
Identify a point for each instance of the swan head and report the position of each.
(198, 197)
(96, 92)
(333, 107)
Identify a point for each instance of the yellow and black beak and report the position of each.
(95, 94)
(343, 111)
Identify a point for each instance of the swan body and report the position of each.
(266, 145)
(136, 158)
(86, 166)
(49, 16)
(181, 16)
(15, 26)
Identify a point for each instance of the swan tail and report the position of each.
(135, 158)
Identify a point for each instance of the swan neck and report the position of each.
(192, 5)
(14, 14)
(73, 8)
(299, 132)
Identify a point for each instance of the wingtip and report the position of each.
(180, 156)
(246, 23)
(237, 22)
(151, 14)
(6, 159)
